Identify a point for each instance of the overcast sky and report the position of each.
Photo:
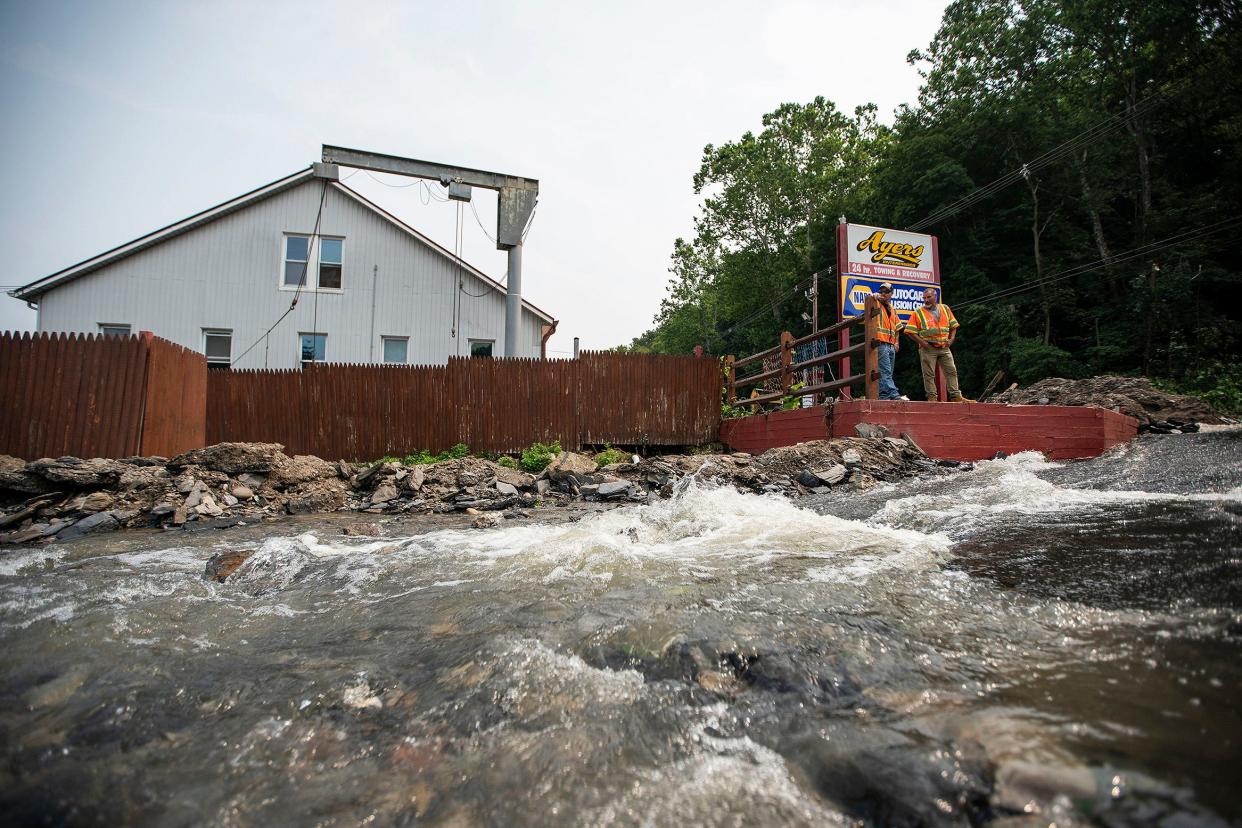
(120, 118)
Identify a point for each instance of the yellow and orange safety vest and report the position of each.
(936, 333)
(888, 326)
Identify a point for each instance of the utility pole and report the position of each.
(815, 302)
(515, 207)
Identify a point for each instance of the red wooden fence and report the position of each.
(89, 395)
(366, 411)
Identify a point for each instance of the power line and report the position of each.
(1088, 136)
(1138, 252)
(763, 311)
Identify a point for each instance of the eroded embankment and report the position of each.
(232, 483)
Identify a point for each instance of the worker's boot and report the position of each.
(962, 399)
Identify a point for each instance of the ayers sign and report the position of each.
(868, 256)
(891, 254)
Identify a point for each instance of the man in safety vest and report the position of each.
(886, 333)
(935, 329)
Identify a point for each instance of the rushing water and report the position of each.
(1018, 644)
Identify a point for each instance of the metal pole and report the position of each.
(513, 301)
(374, 282)
(575, 347)
(817, 373)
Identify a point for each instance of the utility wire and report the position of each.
(1085, 138)
(388, 184)
(763, 311)
(1175, 240)
(301, 282)
(479, 221)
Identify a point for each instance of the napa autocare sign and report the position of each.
(869, 256)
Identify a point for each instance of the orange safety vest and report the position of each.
(938, 333)
(888, 326)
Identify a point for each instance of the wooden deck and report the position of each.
(946, 431)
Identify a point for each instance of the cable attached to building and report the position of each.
(301, 282)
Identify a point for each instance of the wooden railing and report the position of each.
(869, 378)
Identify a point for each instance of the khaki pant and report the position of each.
(928, 359)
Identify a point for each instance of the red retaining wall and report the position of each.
(946, 431)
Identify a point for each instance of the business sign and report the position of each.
(888, 255)
(907, 296)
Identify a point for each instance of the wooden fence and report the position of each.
(359, 412)
(89, 395)
(777, 366)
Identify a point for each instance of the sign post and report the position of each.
(869, 256)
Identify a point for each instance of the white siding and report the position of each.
(227, 275)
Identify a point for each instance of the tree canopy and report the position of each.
(1078, 159)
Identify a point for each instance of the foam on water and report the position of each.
(19, 562)
(1012, 486)
(703, 529)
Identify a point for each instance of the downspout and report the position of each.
(374, 279)
(543, 343)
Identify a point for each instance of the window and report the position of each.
(396, 349)
(297, 254)
(324, 258)
(313, 347)
(330, 263)
(109, 329)
(481, 347)
(218, 348)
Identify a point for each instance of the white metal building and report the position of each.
(375, 289)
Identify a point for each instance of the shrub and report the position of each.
(611, 455)
(507, 462)
(537, 457)
(1217, 383)
(423, 457)
(1031, 360)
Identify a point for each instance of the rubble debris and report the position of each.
(229, 483)
(1156, 410)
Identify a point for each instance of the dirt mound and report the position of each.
(1155, 410)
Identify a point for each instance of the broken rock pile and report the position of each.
(232, 483)
(1156, 410)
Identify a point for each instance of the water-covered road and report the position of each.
(1019, 644)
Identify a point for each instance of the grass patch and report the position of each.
(611, 455)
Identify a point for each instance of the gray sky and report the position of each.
(123, 117)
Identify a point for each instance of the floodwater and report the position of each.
(1019, 644)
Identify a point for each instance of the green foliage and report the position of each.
(611, 455)
(1219, 383)
(506, 461)
(793, 399)
(537, 457)
(1032, 360)
(423, 457)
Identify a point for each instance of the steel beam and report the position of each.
(514, 209)
(517, 194)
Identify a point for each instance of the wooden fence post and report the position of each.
(786, 360)
(871, 355)
(731, 379)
